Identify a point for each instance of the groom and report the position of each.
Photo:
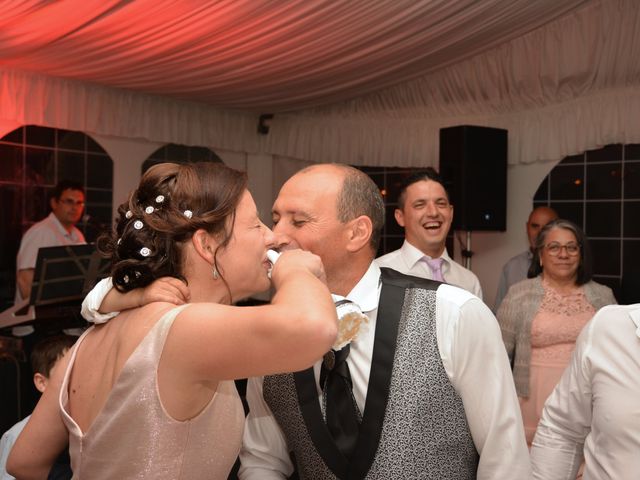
(430, 376)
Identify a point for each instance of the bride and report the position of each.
(150, 393)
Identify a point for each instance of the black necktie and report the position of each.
(342, 414)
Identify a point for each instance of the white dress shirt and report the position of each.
(93, 300)
(407, 260)
(7, 442)
(48, 232)
(595, 404)
(476, 363)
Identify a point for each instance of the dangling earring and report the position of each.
(216, 275)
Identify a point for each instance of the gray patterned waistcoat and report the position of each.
(424, 434)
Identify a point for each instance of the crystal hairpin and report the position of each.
(138, 225)
(160, 199)
(129, 214)
(149, 209)
(188, 213)
(145, 252)
(125, 279)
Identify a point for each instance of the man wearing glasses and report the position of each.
(67, 205)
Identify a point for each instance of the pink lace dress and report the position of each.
(554, 331)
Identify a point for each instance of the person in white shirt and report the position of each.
(426, 215)
(430, 377)
(516, 269)
(594, 412)
(45, 357)
(67, 205)
(432, 392)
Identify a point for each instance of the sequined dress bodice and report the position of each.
(133, 437)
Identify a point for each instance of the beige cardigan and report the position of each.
(516, 313)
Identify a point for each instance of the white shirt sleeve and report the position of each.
(93, 300)
(476, 361)
(477, 289)
(264, 454)
(6, 444)
(557, 448)
(32, 241)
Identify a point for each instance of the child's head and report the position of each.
(44, 356)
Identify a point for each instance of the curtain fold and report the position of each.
(59, 103)
(563, 87)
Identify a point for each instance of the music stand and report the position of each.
(62, 277)
(66, 274)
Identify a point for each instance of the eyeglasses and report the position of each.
(70, 202)
(554, 249)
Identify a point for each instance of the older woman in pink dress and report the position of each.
(541, 317)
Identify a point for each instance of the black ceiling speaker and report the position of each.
(473, 166)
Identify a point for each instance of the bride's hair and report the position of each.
(171, 203)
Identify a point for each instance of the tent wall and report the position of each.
(563, 88)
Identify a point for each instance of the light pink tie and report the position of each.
(435, 264)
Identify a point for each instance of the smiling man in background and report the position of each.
(426, 215)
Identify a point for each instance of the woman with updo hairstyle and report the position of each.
(150, 393)
(542, 316)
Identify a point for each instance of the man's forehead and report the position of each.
(291, 204)
(426, 189)
(69, 192)
(540, 216)
(306, 192)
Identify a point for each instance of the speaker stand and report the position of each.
(467, 253)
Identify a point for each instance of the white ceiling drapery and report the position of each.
(360, 81)
(256, 54)
(569, 86)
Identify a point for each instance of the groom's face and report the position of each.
(305, 215)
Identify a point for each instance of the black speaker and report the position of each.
(473, 167)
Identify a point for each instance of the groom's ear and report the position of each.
(359, 231)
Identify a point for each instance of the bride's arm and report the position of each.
(105, 302)
(44, 436)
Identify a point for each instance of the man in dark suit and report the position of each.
(433, 395)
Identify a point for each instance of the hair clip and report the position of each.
(125, 279)
(129, 214)
(160, 199)
(138, 225)
(137, 273)
(149, 209)
(188, 213)
(145, 252)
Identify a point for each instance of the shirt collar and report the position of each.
(635, 318)
(412, 255)
(53, 219)
(367, 291)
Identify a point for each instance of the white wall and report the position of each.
(266, 175)
(493, 249)
(127, 155)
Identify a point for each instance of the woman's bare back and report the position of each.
(101, 357)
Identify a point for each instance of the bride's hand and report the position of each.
(292, 260)
(165, 289)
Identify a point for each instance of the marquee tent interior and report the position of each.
(364, 82)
